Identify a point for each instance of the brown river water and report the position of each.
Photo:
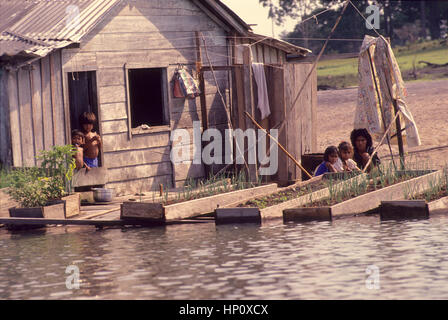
(319, 260)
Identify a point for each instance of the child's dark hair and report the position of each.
(361, 133)
(328, 151)
(87, 118)
(77, 132)
(345, 146)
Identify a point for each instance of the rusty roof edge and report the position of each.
(25, 38)
(281, 44)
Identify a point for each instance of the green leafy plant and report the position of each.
(36, 187)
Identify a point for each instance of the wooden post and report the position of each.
(399, 135)
(201, 81)
(33, 108)
(128, 100)
(249, 104)
(398, 127)
(53, 96)
(202, 97)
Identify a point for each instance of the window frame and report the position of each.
(165, 97)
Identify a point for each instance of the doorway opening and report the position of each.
(83, 98)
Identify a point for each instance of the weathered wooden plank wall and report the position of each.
(150, 34)
(5, 138)
(261, 53)
(301, 131)
(36, 110)
(298, 135)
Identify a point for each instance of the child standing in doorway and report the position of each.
(78, 140)
(93, 141)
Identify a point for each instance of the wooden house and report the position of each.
(117, 58)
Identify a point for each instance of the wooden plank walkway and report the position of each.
(92, 222)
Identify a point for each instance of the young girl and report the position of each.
(346, 163)
(330, 159)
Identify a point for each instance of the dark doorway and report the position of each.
(147, 97)
(83, 98)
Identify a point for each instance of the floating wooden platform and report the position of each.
(91, 222)
(405, 209)
(237, 215)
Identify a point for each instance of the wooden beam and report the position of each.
(249, 103)
(201, 81)
(43, 221)
(399, 134)
(217, 68)
(128, 102)
(33, 110)
(53, 97)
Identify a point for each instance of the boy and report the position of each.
(345, 163)
(92, 143)
(78, 139)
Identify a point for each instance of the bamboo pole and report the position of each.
(379, 145)
(278, 143)
(380, 100)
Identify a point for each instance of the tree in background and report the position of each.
(402, 21)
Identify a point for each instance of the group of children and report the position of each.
(87, 142)
(337, 160)
(350, 157)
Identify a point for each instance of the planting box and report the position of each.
(372, 200)
(192, 208)
(54, 211)
(412, 209)
(276, 211)
(72, 205)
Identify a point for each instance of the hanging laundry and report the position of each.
(263, 99)
(378, 69)
(185, 85)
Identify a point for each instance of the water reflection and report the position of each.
(316, 260)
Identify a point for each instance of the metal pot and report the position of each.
(102, 194)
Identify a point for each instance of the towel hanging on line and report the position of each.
(263, 99)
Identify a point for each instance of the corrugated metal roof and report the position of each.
(40, 26)
(61, 20)
(37, 27)
(12, 11)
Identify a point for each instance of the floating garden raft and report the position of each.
(187, 209)
(271, 206)
(363, 196)
(419, 203)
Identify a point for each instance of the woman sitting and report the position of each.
(362, 144)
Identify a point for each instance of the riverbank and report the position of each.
(343, 73)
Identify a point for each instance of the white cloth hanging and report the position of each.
(377, 66)
(263, 99)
